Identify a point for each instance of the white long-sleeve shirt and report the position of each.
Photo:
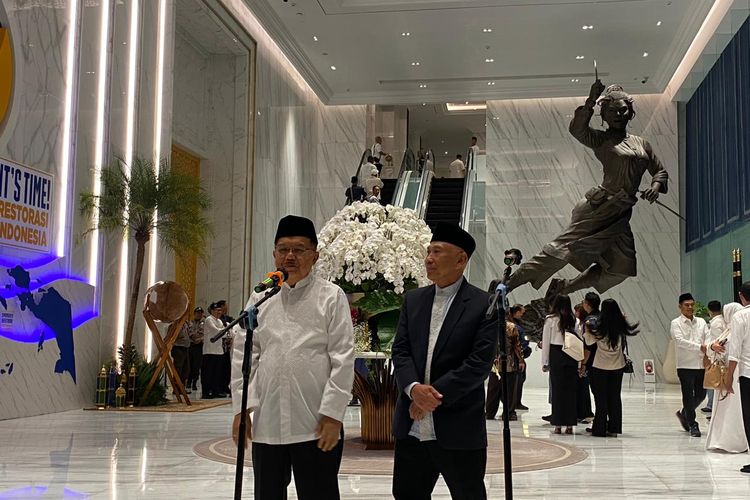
(211, 326)
(551, 335)
(739, 343)
(302, 361)
(716, 327)
(457, 169)
(689, 336)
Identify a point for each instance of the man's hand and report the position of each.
(236, 429)
(596, 90)
(328, 433)
(717, 347)
(652, 193)
(415, 413)
(426, 397)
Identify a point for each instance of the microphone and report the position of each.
(274, 279)
(501, 291)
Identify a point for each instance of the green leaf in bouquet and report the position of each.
(387, 326)
(379, 301)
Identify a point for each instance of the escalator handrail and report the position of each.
(466, 200)
(423, 195)
(399, 194)
(408, 155)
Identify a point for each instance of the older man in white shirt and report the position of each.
(301, 376)
(689, 334)
(739, 356)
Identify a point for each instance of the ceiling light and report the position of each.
(475, 106)
(405, 33)
(315, 38)
(422, 85)
(580, 57)
(645, 54)
(446, 152)
(424, 104)
(587, 27)
(333, 68)
(486, 30)
(658, 23)
(489, 60)
(490, 83)
(575, 80)
(415, 63)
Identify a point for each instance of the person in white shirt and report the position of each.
(301, 374)
(724, 431)
(373, 181)
(689, 334)
(375, 196)
(213, 355)
(377, 149)
(739, 355)
(369, 165)
(457, 168)
(563, 369)
(716, 326)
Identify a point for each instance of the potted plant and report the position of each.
(139, 202)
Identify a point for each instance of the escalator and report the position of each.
(388, 190)
(445, 201)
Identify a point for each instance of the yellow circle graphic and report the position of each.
(6, 75)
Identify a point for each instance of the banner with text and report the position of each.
(25, 206)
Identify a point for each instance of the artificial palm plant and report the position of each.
(139, 202)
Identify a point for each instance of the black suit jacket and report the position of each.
(461, 362)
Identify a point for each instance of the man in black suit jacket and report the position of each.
(442, 354)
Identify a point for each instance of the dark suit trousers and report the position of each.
(181, 359)
(745, 397)
(607, 385)
(693, 393)
(495, 393)
(418, 464)
(315, 472)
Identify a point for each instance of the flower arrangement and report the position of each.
(378, 251)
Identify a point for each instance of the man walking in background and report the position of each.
(689, 334)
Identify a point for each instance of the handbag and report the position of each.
(714, 376)
(628, 368)
(573, 346)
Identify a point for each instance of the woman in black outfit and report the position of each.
(563, 369)
(610, 336)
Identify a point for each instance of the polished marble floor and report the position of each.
(85, 454)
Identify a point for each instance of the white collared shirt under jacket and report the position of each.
(302, 362)
(689, 336)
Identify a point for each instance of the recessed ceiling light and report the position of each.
(645, 54)
(405, 33)
(587, 27)
(415, 63)
(580, 57)
(490, 83)
(315, 38)
(333, 68)
(486, 30)
(575, 80)
(446, 152)
(489, 60)
(658, 23)
(422, 85)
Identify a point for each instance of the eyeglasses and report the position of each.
(295, 251)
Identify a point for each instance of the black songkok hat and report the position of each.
(293, 225)
(451, 233)
(685, 296)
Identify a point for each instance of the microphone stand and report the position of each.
(499, 306)
(251, 315)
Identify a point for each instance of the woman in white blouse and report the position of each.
(725, 431)
(610, 336)
(563, 369)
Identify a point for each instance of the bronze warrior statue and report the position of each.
(598, 242)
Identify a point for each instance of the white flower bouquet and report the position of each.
(377, 250)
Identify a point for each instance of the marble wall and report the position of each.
(305, 151)
(536, 172)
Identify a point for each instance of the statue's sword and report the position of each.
(665, 207)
